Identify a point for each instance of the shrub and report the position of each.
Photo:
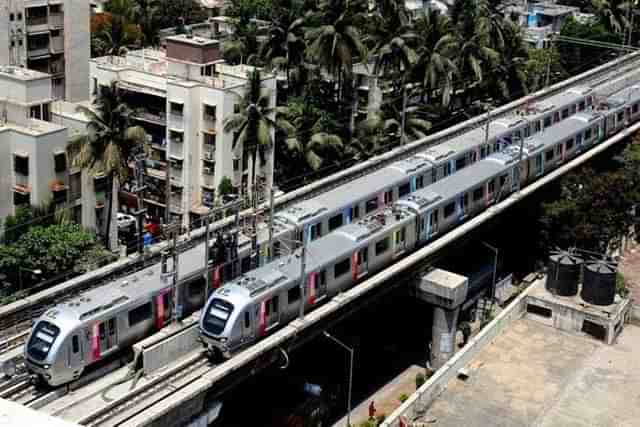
(420, 379)
(380, 418)
(403, 397)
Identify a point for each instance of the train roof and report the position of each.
(564, 129)
(448, 188)
(628, 94)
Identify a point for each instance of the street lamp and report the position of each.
(350, 350)
(37, 272)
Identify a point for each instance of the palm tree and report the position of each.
(306, 138)
(435, 66)
(145, 13)
(252, 125)
(107, 147)
(509, 76)
(610, 14)
(336, 41)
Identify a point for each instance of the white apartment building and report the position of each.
(34, 165)
(50, 36)
(181, 96)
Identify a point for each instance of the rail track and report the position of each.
(16, 318)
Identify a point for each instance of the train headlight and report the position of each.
(46, 366)
(223, 340)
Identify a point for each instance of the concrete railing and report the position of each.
(417, 403)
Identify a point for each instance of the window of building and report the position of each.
(371, 205)
(341, 268)
(176, 108)
(236, 164)
(11, 17)
(209, 139)
(449, 209)
(60, 162)
(548, 156)
(207, 70)
(54, 8)
(55, 33)
(140, 314)
(19, 16)
(404, 189)
(293, 294)
(335, 222)
(21, 164)
(13, 43)
(382, 246)
(478, 193)
(20, 199)
(210, 112)
(19, 42)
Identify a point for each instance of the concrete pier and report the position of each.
(446, 291)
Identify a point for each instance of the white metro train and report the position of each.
(247, 308)
(346, 228)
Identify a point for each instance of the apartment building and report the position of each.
(181, 96)
(50, 36)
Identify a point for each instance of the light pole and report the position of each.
(37, 272)
(350, 350)
(495, 268)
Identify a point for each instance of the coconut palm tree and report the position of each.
(435, 66)
(509, 75)
(145, 13)
(253, 125)
(107, 147)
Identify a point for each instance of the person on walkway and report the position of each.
(372, 410)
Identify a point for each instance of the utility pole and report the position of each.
(303, 262)
(404, 113)
(486, 126)
(167, 201)
(171, 232)
(207, 273)
(254, 228)
(270, 244)
(140, 187)
(550, 54)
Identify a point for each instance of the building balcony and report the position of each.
(56, 20)
(56, 45)
(56, 67)
(38, 24)
(208, 181)
(157, 117)
(38, 52)
(209, 124)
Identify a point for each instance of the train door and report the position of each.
(75, 355)
(539, 164)
(515, 180)
(432, 224)
(248, 332)
(272, 313)
(400, 239)
(360, 263)
(163, 309)
(107, 335)
(579, 142)
(463, 206)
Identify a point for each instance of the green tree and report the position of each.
(225, 187)
(107, 147)
(145, 13)
(576, 58)
(541, 62)
(252, 125)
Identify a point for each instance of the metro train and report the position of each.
(249, 307)
(74, 335)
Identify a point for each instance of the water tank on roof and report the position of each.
(599, 284)
(563, 273)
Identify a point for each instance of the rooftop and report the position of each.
(19, 73)
(536, 375)
(34, 127)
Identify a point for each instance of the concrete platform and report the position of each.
(573, 314)
(535, 375)
(15, 415)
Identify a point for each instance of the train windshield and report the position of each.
(217, 315)
(42, 339)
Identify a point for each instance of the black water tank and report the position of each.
(563, 273)
(599, 284)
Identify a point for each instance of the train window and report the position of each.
(293, 294)
(449, 209)
(356, 211)
(558, 149)
(419, 181)
(572, 108)
(579, 139)
(536, 126)
(491, 187)
(274, 303)
(587, 134)
(322, 278)
(371, 205)
(140, 314)
(556, 117)
(581, 106)
(335, 222)
(589, 100)
(195, 289)
(341, 268)
(245, 264)
(434, 174)
(483, 152)
(363, 256)
(547, 122)
(401, 235)
(315, 231)
(503, 180)
(460, 163)
(112, 326)
(404, 190)
(527, 131)
(478, 193)
(447, 169)
(75, 344)
(569, 143)
(247, 319)
(276, 248)
(565, 113)
(548, 155)
(620, 116)
(634, 108)
(388, 197)
(101, 331)
(382, 246)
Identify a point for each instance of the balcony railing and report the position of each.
(56, 20)
(34, 52)
(57, 44)
(153, 116)
(36, 20)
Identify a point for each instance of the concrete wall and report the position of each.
(424, 396)
(77, 44)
